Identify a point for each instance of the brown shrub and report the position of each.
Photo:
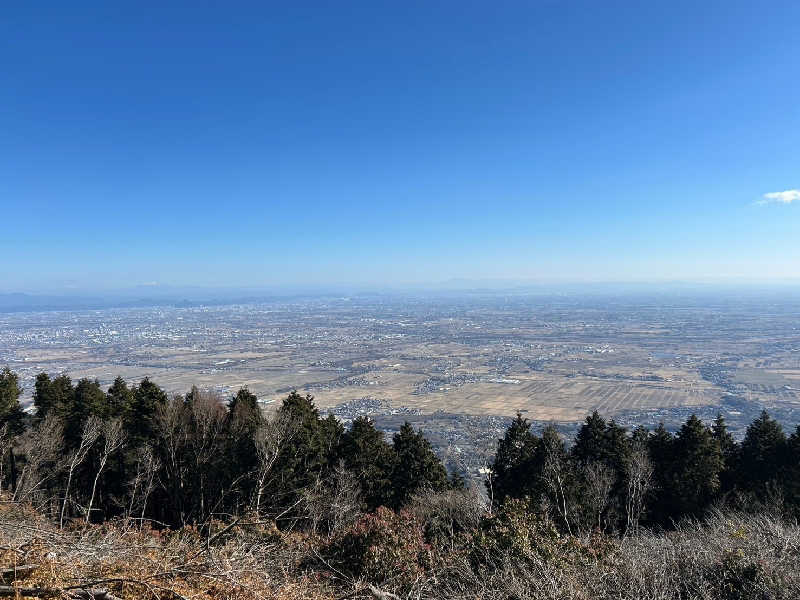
(382, 547)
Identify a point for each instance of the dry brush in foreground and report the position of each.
(436, 550)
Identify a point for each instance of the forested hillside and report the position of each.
(237, 503)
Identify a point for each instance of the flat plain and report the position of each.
(548, 357)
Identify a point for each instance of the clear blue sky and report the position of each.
(317, 142)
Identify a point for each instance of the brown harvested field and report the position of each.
(541, 399)
(561, 398)
(434, 376)
(554, 359)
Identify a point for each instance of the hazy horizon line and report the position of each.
(454, 283)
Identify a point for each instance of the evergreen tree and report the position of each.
(241, 425)
(515, 451)
(640, 436)
(791, 484)
(416, 467)
(617, 447)
(762, 455)
(140, 421)
(119, 403)
(660, 444)
(246, 403)
(10, 410)
(52, 396)
(196, 461)
(601, 452)
(87, 400)
(729, 450)
(661, 448)
(12, 419)
(331, 431)
(697, 467)
(119, 399)
(244, 418)
(211, 471)
(43, 399)
(310, 454)
(591, 441)
(371, 458)
(719, 430)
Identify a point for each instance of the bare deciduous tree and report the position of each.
(345, 498)
(270, 437)
(170, 428)
(113, 440)
(89, 435)
(478, 461)
(599, 480)
(147, 465)
(206, 422)
(452, 511)
(40, 445)
(639, 476)
(6, 442)
(555, 476)
(332, 503)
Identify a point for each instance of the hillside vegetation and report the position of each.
(130, 493)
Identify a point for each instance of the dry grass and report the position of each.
(725, 557)
(256, 562)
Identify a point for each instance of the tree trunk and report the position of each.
(13, 469)
(66, 497)
(94, 487)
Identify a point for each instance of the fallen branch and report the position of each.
(379, 594)
(18, 592)
(92, 595)
(12, 573)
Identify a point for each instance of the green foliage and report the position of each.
(10, 410)
(719, 431)
(730, 454)
(518, 531)
(140, 419)
(244, 405)
(416, 466)
(762, 454)
(52, 396)
(515, 453)
(309, 451)
(601, 451)
(119, 399)
(591, 442)
(185, 459)
(311, 454)
(791, 482)
(87, 400)
(617, 447)
(367, 454)
(241, 425)
(696, 468)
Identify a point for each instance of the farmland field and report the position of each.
(550, 358)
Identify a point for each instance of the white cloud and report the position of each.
(785, 197)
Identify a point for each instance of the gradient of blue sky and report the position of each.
(263, 143)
